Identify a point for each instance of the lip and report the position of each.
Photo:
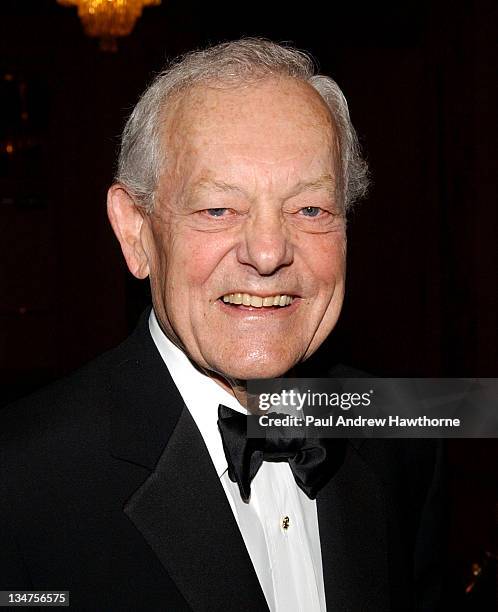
(252, 312)
(260, 293)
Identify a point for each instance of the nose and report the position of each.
(265, 244)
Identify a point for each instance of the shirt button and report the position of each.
(285, 523)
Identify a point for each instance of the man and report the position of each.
(236, 170)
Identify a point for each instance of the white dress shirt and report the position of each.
(279, 524)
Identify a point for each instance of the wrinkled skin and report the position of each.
(246, 203)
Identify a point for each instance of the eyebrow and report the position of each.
(325, 182)
(221, 186)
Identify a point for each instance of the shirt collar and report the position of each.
(201, 394)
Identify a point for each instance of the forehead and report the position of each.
(268, 121)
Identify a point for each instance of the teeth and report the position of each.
(257, 301)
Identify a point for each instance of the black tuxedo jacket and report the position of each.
(107, 490)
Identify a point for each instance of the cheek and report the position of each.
(196, 261)
(326, 260)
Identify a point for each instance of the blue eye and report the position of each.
(216, 212)
(310, 211)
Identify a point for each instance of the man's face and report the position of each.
(246, 211)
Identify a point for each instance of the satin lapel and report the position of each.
(182, 512)
(353, 536)
(180, 508)
(146, 403)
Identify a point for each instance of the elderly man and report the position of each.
(236, 170)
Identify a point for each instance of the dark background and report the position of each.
(422, 276)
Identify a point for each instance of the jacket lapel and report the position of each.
(181, 508)
(352, 522)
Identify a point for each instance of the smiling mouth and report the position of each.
(257, 301)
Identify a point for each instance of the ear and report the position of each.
(126, 219)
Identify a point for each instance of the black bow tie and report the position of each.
(313, 461)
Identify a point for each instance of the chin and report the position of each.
(254, 368)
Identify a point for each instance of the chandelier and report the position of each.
(109, 19)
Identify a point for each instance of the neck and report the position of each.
(238, 387)
(234, 386)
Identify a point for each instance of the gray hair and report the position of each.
(141, 157)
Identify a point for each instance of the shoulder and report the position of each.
(75, 399)
(58, 424)
(56, 432)
(412, 463)
(62, 405)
